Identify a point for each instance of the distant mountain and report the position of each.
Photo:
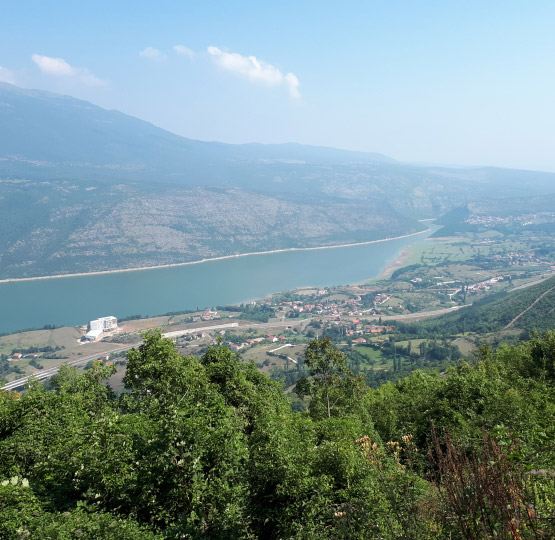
(42, 126)
(83, 188)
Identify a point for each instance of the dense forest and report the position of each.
(210, 448)
(534, 306)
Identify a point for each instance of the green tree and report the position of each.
(331, 386)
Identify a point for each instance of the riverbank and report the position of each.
(221, 258)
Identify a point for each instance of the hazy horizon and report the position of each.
(466, 85)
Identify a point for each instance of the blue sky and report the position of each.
(455, 82)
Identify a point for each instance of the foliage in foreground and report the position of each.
(209, 448)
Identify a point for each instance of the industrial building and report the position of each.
(104, 324)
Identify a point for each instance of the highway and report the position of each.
(47, 373)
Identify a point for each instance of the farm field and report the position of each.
(375, 357)
(60, 337)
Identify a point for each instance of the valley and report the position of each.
(84, 189)
(277, 271)
(436, 292)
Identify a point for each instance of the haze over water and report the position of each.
(76, 300)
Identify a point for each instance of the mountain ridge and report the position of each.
(11, 96)
(84, 189)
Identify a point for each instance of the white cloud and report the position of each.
(53, 66)
(59, 67)
(293, 85)
(6, 75)
(184, 51)
(152, 54)
(255, 70)
(88, 78)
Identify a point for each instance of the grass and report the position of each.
(374, 356)
(60, 337)
(258, 354)
(465, 345)
(335, 297)
(461, 248)
(414, 343)
(392, 301)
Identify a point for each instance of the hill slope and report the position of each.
(503, 215)
(527, 309)
(83, 188)
(42, 126)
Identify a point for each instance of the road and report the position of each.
(421, 314)
(526, 285)
(185, 331)
(529, 307)
(47, 373)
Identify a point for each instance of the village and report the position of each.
(361, 317)
(353, 314)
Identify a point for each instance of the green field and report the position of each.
(375, 357)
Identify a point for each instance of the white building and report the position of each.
(92, 335)
(104, 324)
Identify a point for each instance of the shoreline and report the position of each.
(220, 258)
(395, 264)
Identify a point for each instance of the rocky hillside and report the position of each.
(83, 188)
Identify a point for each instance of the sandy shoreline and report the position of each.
(223, 257)
(397, 263)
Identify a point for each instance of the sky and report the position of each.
(458, 82)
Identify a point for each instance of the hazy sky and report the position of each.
(450, 81)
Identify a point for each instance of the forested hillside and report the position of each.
(530, 308)
(210, 448)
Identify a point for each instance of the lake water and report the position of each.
(76, 300)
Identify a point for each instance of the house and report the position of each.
(373, 329)
(17, 356)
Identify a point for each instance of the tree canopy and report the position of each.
(209, 447)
